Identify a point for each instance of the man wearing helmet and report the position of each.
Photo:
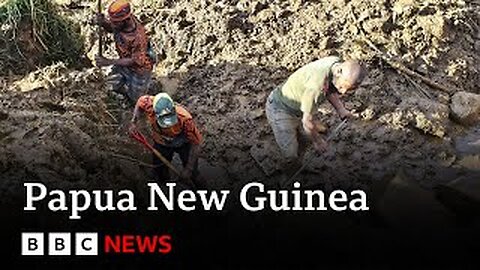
(293, 102)
(173, 131)
(134, 67)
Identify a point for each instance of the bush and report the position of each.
(33, 34)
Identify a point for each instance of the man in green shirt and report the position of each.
(293, 102)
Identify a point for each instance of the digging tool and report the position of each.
(140, 138)
(99, 30)
(309, 159)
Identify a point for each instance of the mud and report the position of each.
(221, 59)
(56, 129)
(469, 142)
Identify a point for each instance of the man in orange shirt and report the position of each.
(173, 131)
(134, 67)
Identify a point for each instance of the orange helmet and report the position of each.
(119, 10)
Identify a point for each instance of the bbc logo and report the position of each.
(59, 243)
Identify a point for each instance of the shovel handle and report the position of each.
(165, 161)
(99, 30)
(140, 138)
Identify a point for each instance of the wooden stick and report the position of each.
(165, 161)
(99, 29)
(397, 65)
(111, 116)
(170, 165)
(417, 86)
(140, 138)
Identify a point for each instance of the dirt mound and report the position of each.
(435, 37)
(221, 59)
(56, 128)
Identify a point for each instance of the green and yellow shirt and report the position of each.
(307, 86)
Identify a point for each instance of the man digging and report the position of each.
(173, 131)
(133, 69)
(292, 103)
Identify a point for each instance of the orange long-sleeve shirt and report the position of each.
(134, 45)
(185, 124)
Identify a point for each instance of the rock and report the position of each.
(169, 85)
(445, 159)
(465, 107)
(3, 115)
(477, 45)
(401, 5)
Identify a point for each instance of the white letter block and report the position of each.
(32, 243)
(86, 244)
(59, 244)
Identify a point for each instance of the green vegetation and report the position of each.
(33, 33)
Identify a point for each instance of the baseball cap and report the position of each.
(164, 109)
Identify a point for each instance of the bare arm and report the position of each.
(124, 62)
(136, 113)
(334, 99)
(312, 132)
(309, 125)
(307, 106)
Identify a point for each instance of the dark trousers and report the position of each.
(162, 172)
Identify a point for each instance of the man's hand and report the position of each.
(99, 19)
(334, 99)
(320, 127)
(313, 127)
(186, 173)
(346, 114)
(102, 61)
(308, 124)
(320, 145)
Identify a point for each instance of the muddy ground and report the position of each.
(221, 59)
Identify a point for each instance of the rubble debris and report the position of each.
(426, 115)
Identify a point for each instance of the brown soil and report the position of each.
(221, 59)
